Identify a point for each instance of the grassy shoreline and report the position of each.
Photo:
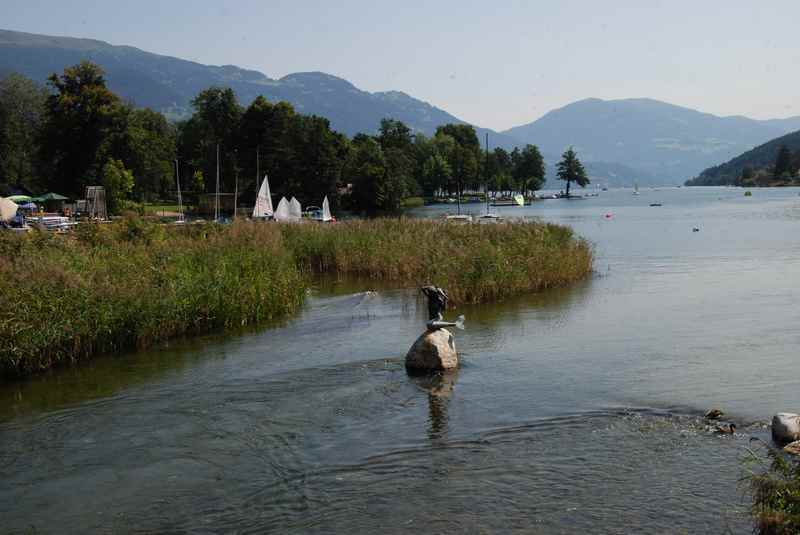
(132, 284)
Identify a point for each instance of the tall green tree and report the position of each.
(215, 123)
(783, 163)
(21, 108)
(118, 183)
(462, 154)
(570, 169)
(79, 116)
(146, 144)
(529, 169)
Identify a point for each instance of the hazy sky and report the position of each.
(497, 63)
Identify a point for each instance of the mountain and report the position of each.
(756, 159)
(667, 142)
(168, 84)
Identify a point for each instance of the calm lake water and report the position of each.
(577, 410)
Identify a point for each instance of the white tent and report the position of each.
(8, 209)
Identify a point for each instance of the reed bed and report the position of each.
(475, 263)
(774, 484)
(132, 283)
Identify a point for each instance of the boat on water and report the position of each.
(458, 218)
(655, 204)
(263, 208)
(636, 188)
(516, 200)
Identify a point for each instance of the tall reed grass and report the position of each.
(774, 484)
(475, 263)
(132, 283)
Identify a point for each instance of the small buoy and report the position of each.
(609, 215)
(695, 229)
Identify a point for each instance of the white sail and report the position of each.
(282, 212)
(263, 206)
(326, 210)
(295, 210)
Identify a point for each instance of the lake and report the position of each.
(575, 410)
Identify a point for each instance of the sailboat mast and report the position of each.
(486, 186)
(178, 181)
(216, 197)
(236, 183)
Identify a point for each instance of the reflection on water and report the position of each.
(439, 387)
(575, 410)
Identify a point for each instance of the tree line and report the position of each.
(75, 132)
(773, 163)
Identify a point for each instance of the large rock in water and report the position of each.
(433, 351)
(785, 427)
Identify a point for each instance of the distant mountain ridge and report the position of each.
(168, 84)
(667, 142)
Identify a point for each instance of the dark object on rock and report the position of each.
(714, 414)
(726, 429)
(437, 301)
(433, 351)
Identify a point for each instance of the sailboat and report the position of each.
(326, 211)
(295, 210)
(282, 212)
(636, 188)
(263, 207)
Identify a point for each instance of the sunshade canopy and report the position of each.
(50, 197)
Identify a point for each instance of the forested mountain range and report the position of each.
(760, 160)
(168, 84)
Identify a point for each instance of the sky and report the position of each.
(496, 64)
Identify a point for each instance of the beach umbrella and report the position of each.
(51, 197)
(29, 206)
(20, 198)
(8, 209)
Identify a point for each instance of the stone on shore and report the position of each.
(785, 427)
(433, 351)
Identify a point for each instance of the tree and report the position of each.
(78, 119)
(215, 122)
(783, 163)
(118, 183)
(529, 169)
(366, 168)
(394, 134)
(461, 149)
(570, 169)
(21, 108)
(146, 144)
(436, 173)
